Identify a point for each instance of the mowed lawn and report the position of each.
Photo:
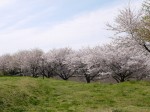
(25, 94)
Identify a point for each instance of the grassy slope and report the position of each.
(19, 94)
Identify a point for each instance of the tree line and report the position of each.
(127, 57)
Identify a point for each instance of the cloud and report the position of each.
(31, 18)
(4, 3)
(86, 29)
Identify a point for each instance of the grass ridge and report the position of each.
(26, 94)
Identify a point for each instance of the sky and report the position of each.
(48, 24)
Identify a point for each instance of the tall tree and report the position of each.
(134, 24)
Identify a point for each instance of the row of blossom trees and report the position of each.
(127, 57)
(117, 60)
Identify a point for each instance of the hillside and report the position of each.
(25, 94)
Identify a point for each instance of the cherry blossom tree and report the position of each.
(56, 62)
(5, 64)
(126, 62)
(133, 24)
(33, 62)
(131, 51)
(87, 62)
(20, 62)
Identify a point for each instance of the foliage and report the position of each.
(126, 62)
(133, 24)
(56, 59)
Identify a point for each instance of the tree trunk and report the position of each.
(122, 80)
(88, 80)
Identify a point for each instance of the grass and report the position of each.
(25, 94)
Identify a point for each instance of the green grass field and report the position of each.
(25, 94)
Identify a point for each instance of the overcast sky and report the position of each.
(48, 24)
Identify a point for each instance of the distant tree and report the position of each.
(126, 62)
(5, 64)
(56, 60)
(20, 62)
(46, 67)
(87, 63)
(33, 62)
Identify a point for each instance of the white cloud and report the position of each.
(88, 29)
(30, 18)
(3, 3)
(83, 30)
